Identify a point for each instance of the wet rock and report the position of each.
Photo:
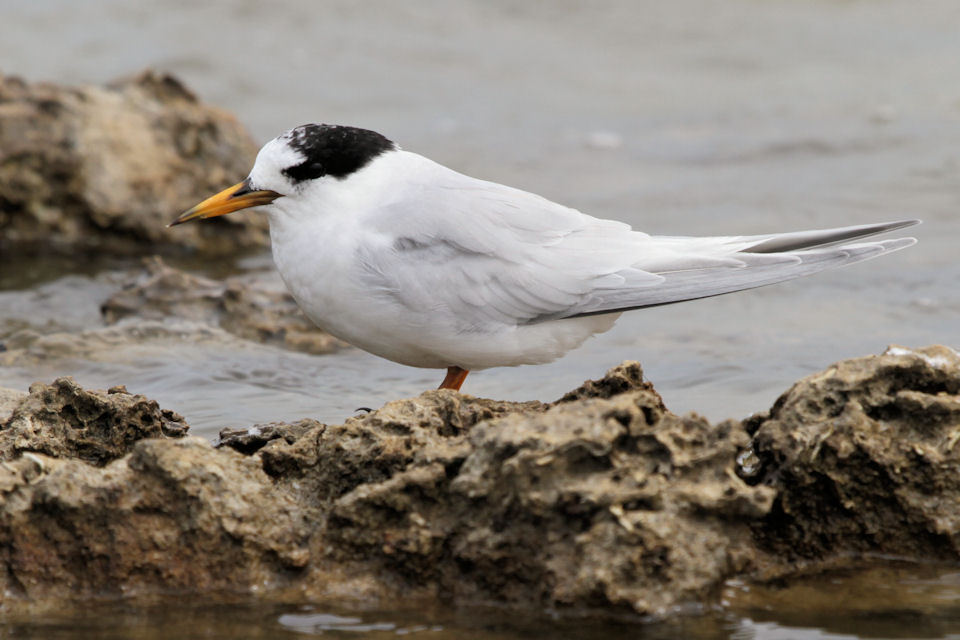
(864, 457)
(253, 439)
(63, 420)
(328, 461)
(173, 514)
(107, 168)
(608, 502)
(154, 313)
(124, 342)
(626, 377)
(253, 306)
(603, 502)
(583, 506)
(160, 291)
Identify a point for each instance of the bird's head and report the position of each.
(291, 163)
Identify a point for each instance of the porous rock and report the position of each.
(254, 438)
(173, 514)
(586, 505)
(326, 462)
(865, 458)
(101, 494)
(63, 420)
(603, 502)
(606, 502)
(107, 168)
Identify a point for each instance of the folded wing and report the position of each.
(763, 260)
(503, 257)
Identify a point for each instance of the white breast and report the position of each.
(323, 244)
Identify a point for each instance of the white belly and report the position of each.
(322, 268)
(332, 297)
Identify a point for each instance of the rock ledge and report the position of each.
(603, 502)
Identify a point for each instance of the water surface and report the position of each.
(888, 600)
(681, 118)
(691, 117)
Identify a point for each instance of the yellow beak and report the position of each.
(234, 198)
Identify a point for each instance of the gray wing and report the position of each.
(484, 256)
(764, 260)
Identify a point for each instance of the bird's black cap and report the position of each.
(333, 150)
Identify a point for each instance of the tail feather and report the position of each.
(772, 259)
(797, 240)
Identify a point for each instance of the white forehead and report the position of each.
(273, 158)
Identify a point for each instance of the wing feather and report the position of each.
(506, 258)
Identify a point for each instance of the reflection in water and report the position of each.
(320, 623)
(887, 600)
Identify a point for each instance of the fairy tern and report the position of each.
(428, 267)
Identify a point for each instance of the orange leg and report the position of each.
(454, 379)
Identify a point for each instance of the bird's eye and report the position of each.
(308, 170)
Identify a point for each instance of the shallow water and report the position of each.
(692, 118)
(678, 118)
(891, 600)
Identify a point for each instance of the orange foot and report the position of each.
(454, 379)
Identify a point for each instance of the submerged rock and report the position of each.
(107, 168)
(252, 306)
(126, 342)
(155, 312)
(604, 501)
